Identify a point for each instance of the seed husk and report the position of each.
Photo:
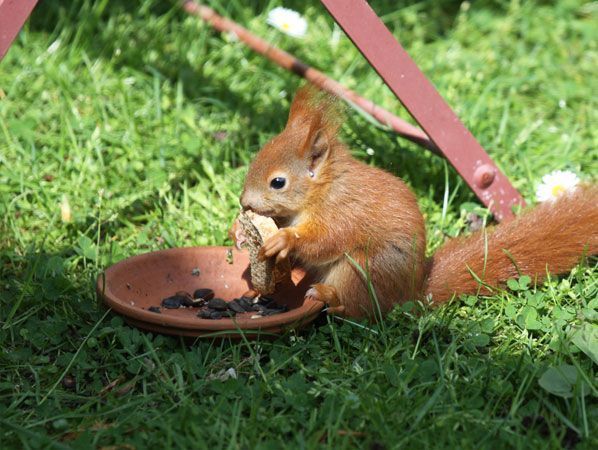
(206, 294)
(218, 304)
(205, 314)
(245, 303)
(198, 302)
(266, 301)
(185, 298)
(173, 302)
(234, 305)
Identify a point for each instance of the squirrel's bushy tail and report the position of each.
(552, 237)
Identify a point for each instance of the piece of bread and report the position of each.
(264, 274)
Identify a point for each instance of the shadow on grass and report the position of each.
(422, 379)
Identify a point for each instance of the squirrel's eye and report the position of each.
(278, 183)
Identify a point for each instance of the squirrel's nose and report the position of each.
(245, 202)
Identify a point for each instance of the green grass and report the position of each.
(145, 120)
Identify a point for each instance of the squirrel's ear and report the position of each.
(318, 150)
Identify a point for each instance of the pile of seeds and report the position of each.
(216, 308)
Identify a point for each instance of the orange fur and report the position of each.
(552, 237)
(333, 205)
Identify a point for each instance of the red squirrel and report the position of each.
(330, 205)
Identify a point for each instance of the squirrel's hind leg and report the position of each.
(327, 294)
(395, 274)
(343, 290)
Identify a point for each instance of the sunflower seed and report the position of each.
(206, 294)
(173, 302)
(234, 305)
(218, 304)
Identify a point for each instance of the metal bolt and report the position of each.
(484, 176)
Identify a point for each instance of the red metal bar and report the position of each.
(425, 104)
(289, 62)
(13, 14)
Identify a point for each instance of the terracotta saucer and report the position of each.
(131, 286)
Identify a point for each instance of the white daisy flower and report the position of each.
(287, 21)
(65, 210)
(556, 183)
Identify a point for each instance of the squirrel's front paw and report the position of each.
(279, 245)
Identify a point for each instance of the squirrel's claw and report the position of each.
(279, 244)
(312, 294)
(326, 294)
(236, 234)
(239, 238)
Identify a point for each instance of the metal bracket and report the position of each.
(425, 104)
(13, 14)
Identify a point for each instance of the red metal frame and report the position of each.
(424, 103)
(13, 14)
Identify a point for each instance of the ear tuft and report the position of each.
(316, 109)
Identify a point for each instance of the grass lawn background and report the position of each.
(145, 120)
